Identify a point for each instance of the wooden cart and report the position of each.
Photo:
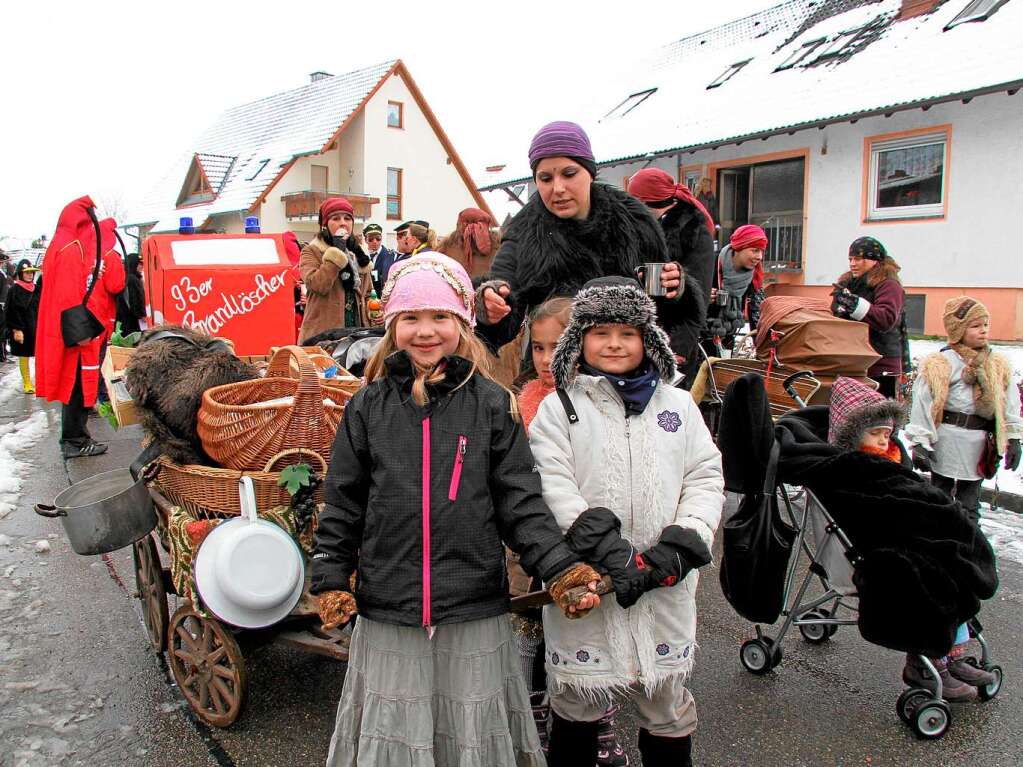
(204, 654)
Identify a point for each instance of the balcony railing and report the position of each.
(784, 241)
(306, 204)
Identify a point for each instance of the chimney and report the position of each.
(911, 8)
(315, 77)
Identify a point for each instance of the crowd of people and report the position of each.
(589, 473)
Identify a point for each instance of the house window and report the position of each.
(977, 10)
(728, 74)
(394, 192)
(395, 114)
(319, 177)
(906, 176)
(630, 103)
(800, 53)
(692, 179)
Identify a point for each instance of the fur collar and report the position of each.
(557, 256)
(887, 270)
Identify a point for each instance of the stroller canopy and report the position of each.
(814, 339)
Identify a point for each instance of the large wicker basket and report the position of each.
(243, 425)
(343, 380)
(212, 493)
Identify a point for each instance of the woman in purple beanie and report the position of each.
(575, 229)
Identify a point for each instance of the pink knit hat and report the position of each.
(855, 407)
(429, 281)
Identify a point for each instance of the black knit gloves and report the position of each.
(596, 537)
(843, 302)
(1013, 453)
(922, 458)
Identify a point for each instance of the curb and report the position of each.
(1000, 499)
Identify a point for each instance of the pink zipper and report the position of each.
(426, 523)
(456, 474)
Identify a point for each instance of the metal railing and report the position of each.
(784, 241)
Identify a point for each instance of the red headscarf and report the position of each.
(751, 236)
(655, 185)
(334, 204)
(474, 226)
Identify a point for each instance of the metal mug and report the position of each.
(649, 276)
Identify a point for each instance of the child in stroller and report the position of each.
(885, 544)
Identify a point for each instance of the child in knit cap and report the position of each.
(863, 419)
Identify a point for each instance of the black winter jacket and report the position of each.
(427, 543)
(543, 256)
(690, 244)
(22, 313)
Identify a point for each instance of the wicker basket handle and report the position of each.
(293, 451)
(308, 408)
(280, 364)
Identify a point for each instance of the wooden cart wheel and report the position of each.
(151, 591)
(207, 665)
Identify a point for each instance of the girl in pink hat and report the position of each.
(431, 476)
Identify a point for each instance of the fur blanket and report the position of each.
(167, 378)
(924, 565)
(543, 256)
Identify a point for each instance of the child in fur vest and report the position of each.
(632, 475)
(964, 395)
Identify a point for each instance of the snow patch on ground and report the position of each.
(1005, 531)
(10, 383)
(15, 438)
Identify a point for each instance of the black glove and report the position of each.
(352, 246)
(596, 537)
(843, 302)
(1013, 452)
(922, 457)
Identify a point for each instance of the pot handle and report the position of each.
(247, 496)
(46, 510)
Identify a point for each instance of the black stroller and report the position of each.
(868, 557)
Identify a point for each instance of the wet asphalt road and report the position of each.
(79, 684)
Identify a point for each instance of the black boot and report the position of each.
(572, 744)
(665, 752)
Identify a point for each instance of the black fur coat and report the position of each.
(690, 244)
(543, 256)
(167, 378)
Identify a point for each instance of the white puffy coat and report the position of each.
(653, 470)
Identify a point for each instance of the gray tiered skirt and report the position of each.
(457, 700)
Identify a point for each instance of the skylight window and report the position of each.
(728, 74)
(801, 53)
(629, 104)
(838, 45)
(259, 169)
(976, 10)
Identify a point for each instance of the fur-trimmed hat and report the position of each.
(429, 281)
(855, 407)
(959, 313)
(611, 301)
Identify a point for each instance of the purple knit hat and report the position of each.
(560, 139)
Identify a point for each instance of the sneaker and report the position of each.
(974, 675)
(84, 451)
(953, 690)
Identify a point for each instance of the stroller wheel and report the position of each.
(833, 628)
(758, 656)
(908, 701)
(932, 719)
(987, 692)
(814, 633)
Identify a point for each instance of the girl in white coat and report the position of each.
(634, 479)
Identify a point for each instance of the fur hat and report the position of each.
(959, 313)
(855, 407)
(606, 301)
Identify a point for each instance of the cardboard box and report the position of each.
(113, 375)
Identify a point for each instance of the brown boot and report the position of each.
(915, 674)
(970, 674)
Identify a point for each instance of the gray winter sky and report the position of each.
(101, 98)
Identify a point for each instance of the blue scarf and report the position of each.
(635, 388)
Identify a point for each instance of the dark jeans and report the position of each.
(966, 491)
(74, 417)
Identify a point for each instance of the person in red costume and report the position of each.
(70, 374)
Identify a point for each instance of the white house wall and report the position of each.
(432, 189)
(971, 247)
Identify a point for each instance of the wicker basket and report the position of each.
(342, 380)
(212, 493)
(243, 425)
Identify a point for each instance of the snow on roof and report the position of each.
(888, 65)
(249, 144)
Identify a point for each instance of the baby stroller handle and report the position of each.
(788, 385)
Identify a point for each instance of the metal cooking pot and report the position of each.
(102, 513)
